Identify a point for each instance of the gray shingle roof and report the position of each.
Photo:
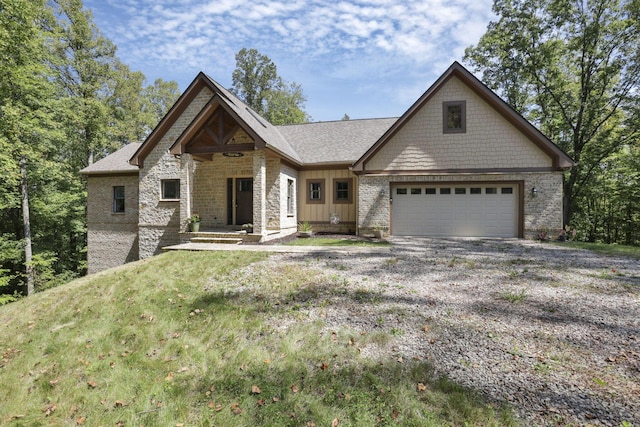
(343, 141)
(261, 126)
(114, 163)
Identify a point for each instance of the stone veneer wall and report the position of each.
(160, 221)
(210, 187)
(112, 238)
(544, 211)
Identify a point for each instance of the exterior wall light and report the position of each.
(534, 192)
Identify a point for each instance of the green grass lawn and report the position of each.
(332, 241)
(606, 249)
(176, 340)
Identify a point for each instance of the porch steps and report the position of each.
(216, 239)
(227, 236)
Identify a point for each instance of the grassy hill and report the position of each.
(177, 340)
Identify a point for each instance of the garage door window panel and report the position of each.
(429, 191)
(416, 191)
(445, 191)
(491, 190)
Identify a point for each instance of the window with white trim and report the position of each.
(290, 200)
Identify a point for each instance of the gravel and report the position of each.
(554, 331)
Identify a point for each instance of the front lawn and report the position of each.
(183, 339)
(606, 249)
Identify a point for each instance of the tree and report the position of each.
(158, 99)
(256, 82)
(28, 124)
(571, 67)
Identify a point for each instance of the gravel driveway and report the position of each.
(554, 331)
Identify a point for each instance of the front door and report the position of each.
(244, 201)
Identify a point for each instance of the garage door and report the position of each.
(474, 210)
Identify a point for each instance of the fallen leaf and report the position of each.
(267, 361)
(92, 384)
(119, 404)
(80, 420)
(421, 387)
(255, 389)
(276, 399)
(335, 422)
(54, 382)
(294, 388)
(310, 424)
(261, 402)
(425, 328)
(212, 404)
(50, 409)
(292, 415)
(169, 377)
(324, 366)
(235, 408)
(395, 414)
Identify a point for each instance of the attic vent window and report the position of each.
(454, 117)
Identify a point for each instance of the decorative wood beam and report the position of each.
(220, 149)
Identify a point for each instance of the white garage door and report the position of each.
(473, 210)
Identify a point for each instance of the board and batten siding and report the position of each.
(319, 214)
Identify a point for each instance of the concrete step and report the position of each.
(212, 239)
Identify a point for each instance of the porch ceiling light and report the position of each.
(232, 154)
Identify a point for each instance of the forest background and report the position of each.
(570, 67)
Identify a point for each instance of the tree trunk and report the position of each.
(27, 226)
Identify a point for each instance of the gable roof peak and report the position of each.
(560, 159)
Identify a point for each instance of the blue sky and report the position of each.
(368, 59)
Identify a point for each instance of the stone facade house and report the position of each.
(458, 162)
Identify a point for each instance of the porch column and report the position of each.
(186, 188)
(259, 193)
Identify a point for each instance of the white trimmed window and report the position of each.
(290, 200)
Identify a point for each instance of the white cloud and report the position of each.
(361, 39)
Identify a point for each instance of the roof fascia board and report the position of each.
(170, 118)
(194, 127)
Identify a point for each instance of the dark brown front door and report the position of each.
(244, 201)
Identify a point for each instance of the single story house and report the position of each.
(458, 162)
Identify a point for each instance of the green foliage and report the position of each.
(65, 101)
(256, 82)
(573, 69)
